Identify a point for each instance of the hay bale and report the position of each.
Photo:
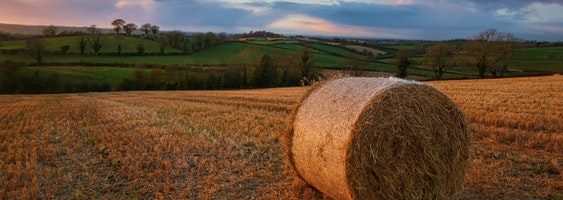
(379, 138)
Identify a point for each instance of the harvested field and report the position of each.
(226, 144)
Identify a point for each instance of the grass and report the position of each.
(402, 47)
(226, 144)
(92, 74)
(223, 53)
(362, 48)
(275, 42)
(544, 53)
(101, 59)
(539, 59)
(336, 50)
(528, 61)
(291, 47)
(109, 44)
(555, 66)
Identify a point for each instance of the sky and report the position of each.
(399, 19)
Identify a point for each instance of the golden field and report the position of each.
(226, 144)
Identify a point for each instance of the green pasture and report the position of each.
(102, 59)
(293, 47)
(525, 61)
(417, 60)
(555, 66)
(333, 50)
(110, 74)
(223, 54)
(273, 42)
(110, 44)
(548, 59)
(362, 48)
(543, 53)
(79, 74)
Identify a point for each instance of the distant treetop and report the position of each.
(259, 34)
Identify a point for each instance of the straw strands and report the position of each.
(382, 138)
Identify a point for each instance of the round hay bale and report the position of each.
(379, 138)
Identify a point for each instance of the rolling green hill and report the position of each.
(539, 59)
(77, 74)
(110, 43)
(527, 61)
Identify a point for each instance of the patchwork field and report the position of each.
(225, 144)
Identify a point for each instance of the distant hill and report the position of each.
(38, 29)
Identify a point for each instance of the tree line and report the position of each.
(13, 80)
(490, 52)
(249, 70)
(93, 39)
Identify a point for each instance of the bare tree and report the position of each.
(94, 40)
(140, 47)
(93, 30)
(176, 38)
(222, 37)
(209, 39)
(117, 25)
(439, 57)
(119, 48)
(197, 41)
(82, 43)
(146, 28)
(96, 44)
(489, 48)
(507, 45)
(155, 29)
(129, 28)
(37, 47)
(162, 43)
(480, 50)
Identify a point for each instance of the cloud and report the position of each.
(201, 15)
(420, 19)
(488, 5)
(55, 11)
(393, 2)
(303, 24)
(544, 13)
(141, 3)
(256, 9)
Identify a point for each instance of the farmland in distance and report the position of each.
(226, 144)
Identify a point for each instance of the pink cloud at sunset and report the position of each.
(298, 23)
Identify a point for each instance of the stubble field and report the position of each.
(226, 144)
